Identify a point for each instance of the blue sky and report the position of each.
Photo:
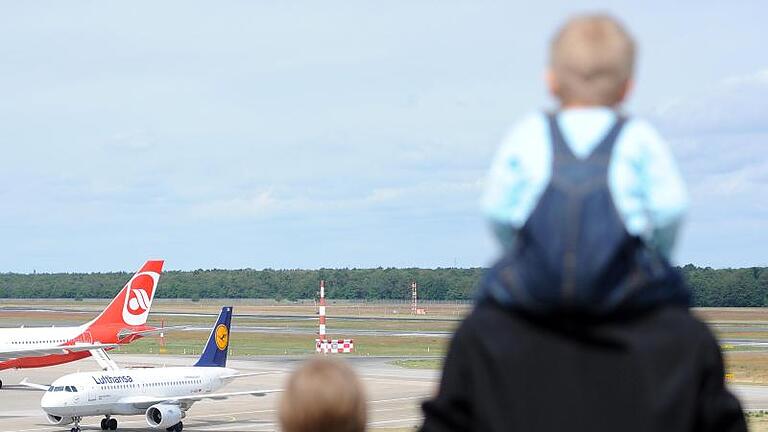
(337, 134)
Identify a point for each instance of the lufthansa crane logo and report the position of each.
(222, 337)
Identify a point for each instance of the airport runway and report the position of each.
(394, 395)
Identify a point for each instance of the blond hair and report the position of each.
(323, 395)
(592, 58)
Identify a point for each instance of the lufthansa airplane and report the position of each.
(162, 395)
(123, 321)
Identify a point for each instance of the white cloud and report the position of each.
(721, 138)
(735, 104)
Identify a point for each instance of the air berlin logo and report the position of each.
(139, 297)
(138, 301)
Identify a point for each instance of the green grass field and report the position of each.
(250, 343)
(419, 363)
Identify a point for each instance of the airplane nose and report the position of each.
(45, 402)
(51, 404)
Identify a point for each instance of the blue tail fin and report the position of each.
(215, 353)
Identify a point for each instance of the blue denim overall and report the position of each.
(574, 253)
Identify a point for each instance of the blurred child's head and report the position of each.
(323, 395)
(591, 62)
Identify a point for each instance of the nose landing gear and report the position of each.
(108, 423)
(77, 424)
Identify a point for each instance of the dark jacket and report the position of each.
(581, 326)
(652, 371)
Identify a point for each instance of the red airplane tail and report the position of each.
(131, 305)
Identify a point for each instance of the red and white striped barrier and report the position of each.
(334, 346)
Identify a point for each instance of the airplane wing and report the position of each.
(144, 402)
(53, 349)
(41, 387)
(153, 332)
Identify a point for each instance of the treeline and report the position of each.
(711, 287)
(378, 283)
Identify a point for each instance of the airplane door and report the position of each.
(91, 394)
(208, 385)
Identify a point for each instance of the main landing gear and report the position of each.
(176, 428)
(108, 423)
(77, 424)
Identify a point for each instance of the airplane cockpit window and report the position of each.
(58, 388)
(50, 388)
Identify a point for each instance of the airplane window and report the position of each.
(68, 389)
(50, 389)
(58, 389)
(74, 389)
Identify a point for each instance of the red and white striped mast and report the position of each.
(322, 312)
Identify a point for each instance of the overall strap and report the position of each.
(605, 148)
(560, 148)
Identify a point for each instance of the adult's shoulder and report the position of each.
(680, 319)
(488, 317)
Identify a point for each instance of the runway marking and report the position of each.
(381, 422)
(394, 409)
(398, 399)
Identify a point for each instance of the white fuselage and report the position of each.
(12, 339)
(120, 392)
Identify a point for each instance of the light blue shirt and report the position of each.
(643, 178)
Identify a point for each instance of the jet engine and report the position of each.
(52, 419)
(163, 416)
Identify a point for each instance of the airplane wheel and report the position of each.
(104, 424)
(112, 423)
